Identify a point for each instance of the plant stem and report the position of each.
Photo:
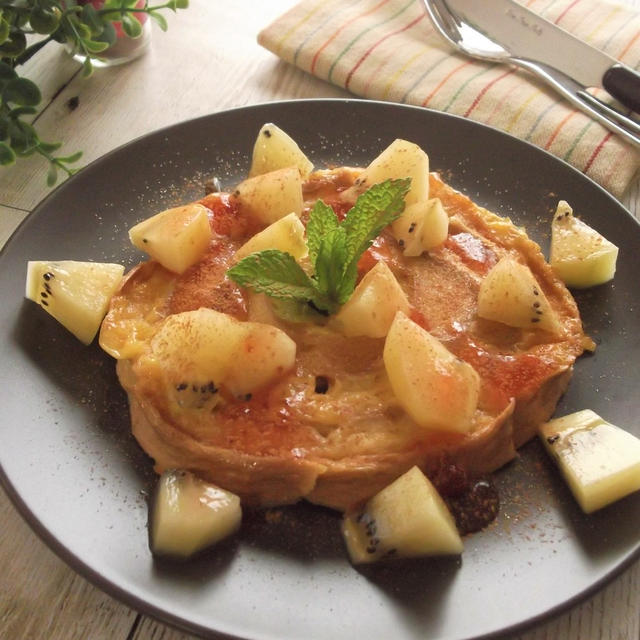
(31, 51)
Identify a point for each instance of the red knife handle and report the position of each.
(624, 85)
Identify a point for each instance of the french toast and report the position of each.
(330, 429)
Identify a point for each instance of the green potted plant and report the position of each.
(89, 28)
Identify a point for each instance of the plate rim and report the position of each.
(128, 597)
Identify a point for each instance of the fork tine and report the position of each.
(458, 33)
(440, 18)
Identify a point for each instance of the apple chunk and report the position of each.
(197, 352)
(408, 518)
(274, 149)
(373, 305)
(176, 238)
(286, 234)
(401, 159)
(437, 389)
(600, 461)
(270, 196)
(189, 515)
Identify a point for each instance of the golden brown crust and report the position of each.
(338, 448)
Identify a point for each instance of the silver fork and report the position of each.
(467, 39)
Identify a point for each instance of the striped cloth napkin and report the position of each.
(388, 50)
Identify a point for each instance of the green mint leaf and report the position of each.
(322, 220)
(334, 250)
(275, 273)
(330, 264)
(372, 212)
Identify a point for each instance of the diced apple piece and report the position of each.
(264, 354)
(438, 390)
(408, 518)
(436, 225)
(76, 294)
(510, 294)
(373, 305)
(189, 515)
(274, 149)
(286, 234)
(271, 196)
(579, 254)
(599, 461)
(421, 227)
(401, 159)
(198, 351)
(176, 238)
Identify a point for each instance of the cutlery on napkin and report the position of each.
(388, 50)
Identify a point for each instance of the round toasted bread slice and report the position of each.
(330, 430)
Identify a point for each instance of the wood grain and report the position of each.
(207, 61)
(41, 597)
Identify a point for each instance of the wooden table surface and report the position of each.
(208, 61)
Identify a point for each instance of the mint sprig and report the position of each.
(334, 251)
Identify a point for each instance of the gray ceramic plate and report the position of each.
(74, 471)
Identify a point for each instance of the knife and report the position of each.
(526, 35)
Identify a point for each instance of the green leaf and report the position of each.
(22, 111)
(96, 46)
(24, 138)
(7, 156)
(87, 67)
(44, 21)
(84, 32)
(161, 21)
(178, 4)
(70, 159)
(110, 16)
(275, 273)
(49, 147)
(15, 44)
(52, 174)
(108, 34)
(330, 265)
(92, 19)
(322, 220)
(131, 26)
(5, 30)
(22, 91)
(373, 211)
(7, 72)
